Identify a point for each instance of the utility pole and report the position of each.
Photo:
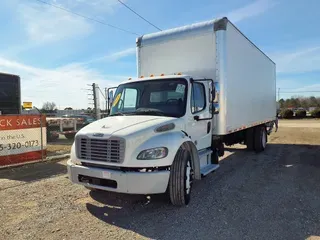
(90, 96)
(95, 89)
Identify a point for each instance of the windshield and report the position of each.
(165, 97)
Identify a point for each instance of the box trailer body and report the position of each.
(245, 76)
(199, 88)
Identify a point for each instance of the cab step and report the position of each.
(208, 169)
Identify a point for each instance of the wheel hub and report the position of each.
(189, 177)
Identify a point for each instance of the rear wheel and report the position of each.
(260, 138)
(214, 157)
(181, 178)
(250, 139)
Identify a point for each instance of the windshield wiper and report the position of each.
(141, 111)
(117, 114)
(150, 111)
(123, 113)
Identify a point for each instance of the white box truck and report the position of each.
(199, 87)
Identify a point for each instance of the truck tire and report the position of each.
(181, 177)
(215, 157)
(260, 139)
(250, 139)
(70, 136)
(51, 137)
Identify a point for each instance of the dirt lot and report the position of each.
(273, 195)
(59, 146)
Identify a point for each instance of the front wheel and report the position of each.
(181, 178)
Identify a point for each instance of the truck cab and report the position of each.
(176, 97)
(156, 139)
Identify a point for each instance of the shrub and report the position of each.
(301, 113)
(316, 113)
(286, 113)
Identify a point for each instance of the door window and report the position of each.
(198, 97)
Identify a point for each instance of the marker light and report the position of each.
(164, 128)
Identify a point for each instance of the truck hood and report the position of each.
(124, 125)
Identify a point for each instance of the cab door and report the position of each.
(199, 125)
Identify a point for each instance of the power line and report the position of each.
(86, 17)
(138, 14)
(102, 94)
(296, 88)
(302, 92)
(288, 88)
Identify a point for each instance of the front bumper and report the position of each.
(119, 181)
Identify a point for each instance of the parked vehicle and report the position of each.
(86, 119)
(64, 126)
(199, 87)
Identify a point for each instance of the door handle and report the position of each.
(208, 127)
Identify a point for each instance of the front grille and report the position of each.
(104, 150)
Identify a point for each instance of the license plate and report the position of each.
(106, 174)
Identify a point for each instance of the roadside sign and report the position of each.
(21, 139)
(27, 104)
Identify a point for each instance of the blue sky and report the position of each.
(57, 54)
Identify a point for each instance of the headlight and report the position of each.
(153, 153)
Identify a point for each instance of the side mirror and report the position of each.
(215, 97)
(110, 98)
(111, 95)
(213, 94)
(215, 108)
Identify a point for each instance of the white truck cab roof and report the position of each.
(143, 78)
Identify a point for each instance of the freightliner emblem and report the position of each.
(98, 134)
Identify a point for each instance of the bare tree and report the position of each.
(49, 107)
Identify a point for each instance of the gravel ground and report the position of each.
(273, 195)
(59, 146)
